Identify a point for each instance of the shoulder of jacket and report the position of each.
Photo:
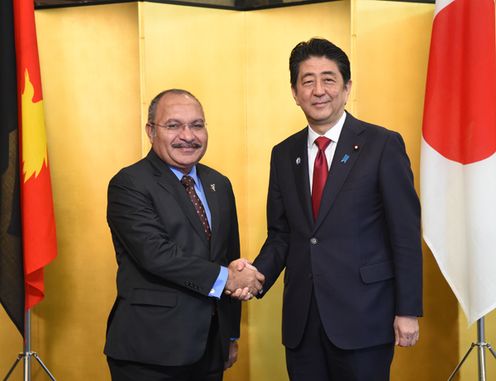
(376, 130)
(141, 168)
(295, 138)
(209, 171)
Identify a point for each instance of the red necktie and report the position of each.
(189, 184)
(320, 171)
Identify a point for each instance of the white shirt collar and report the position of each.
(333, 133)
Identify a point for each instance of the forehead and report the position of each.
(318, 66)
(179, 106)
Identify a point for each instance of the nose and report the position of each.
(318, 90)
(186, 134)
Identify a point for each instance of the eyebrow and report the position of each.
(174, 120)
(329, 72)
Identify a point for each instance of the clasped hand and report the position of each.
(244, 281)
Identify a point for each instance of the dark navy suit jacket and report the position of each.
(167, 266)
(362, 257)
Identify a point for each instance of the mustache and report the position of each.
(186, 145)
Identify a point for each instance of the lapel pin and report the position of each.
(298, 161)
(355, 147)
(212, 186)
(345, 158)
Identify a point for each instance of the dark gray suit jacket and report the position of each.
(362, 257)
(167, 267)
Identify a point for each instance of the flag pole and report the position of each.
(481, 355)
(27, 354)
(27, 346)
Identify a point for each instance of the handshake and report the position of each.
(244, 280)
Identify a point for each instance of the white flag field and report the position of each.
(458, 152)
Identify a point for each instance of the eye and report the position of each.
(198, 125)
(172, 126)
(308, 83)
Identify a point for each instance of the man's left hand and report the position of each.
(406, 331)
(233, 354)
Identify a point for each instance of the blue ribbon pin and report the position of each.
(345, 158)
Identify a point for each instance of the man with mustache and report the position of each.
(344, 222)
(175, 233)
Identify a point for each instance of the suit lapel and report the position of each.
(299, 163)
(167, 180)
(344, 159)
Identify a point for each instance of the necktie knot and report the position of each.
(188, 181)
(322, 142)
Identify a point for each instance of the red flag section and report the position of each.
(458, 158)
(38, 222)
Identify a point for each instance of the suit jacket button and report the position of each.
(314, 241)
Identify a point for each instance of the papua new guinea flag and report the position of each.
(38, 222)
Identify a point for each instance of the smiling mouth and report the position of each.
(323, 103)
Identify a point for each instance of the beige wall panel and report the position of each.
(389, 70)
(272, 115)
(89, 66)
(243, 83)
(201, 50)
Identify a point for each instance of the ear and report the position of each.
(150, 131)
(295, 95)
(347, 87)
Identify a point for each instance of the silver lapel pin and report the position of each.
(212, 186)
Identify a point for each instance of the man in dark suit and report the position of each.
(175, 232)
(344, 221)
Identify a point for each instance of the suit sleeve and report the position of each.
(272, 258)
(402, 211)
(138, 231)
(233, 253)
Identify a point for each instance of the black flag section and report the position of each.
(11, 260)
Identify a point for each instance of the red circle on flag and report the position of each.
(460, 104)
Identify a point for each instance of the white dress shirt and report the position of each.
(333, 134)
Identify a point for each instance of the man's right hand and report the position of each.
(244, 281)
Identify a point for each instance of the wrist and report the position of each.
(229, 282)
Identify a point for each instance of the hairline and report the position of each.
(152, 108)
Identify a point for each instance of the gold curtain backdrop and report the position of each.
(101, 65)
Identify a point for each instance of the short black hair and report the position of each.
(318, 47)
